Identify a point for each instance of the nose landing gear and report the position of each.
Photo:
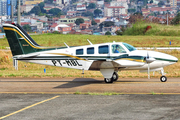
(163, 78)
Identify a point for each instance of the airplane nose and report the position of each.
(173, 59)
(163, 57)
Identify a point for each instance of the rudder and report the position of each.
(19, 41)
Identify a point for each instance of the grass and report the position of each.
(76, 40)
(156, 29)
(158, 36)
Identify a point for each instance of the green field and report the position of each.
(76, 40)
(34, 70)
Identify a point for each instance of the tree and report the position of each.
(97, 12)
(48, 1)
(108, 33)
(2, 30)
(56, 12)
(134, 18)
(27, 27)
(131, 10)
(79, 21)
(36, 10)
(161, 3)
(176, 19)
(93, 22)
(151, 1)
(120, 32)
(88, 13)
(41, 5)
(91, 6)
(107, 1)
(106, 24)
(74, 1)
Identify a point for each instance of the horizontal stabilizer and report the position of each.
(25, 56)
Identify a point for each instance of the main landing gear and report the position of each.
(113, 78)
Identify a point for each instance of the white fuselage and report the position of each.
(101, 56)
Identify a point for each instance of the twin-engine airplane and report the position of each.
(109, 58)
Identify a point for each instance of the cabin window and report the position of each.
(90, 50)
(104, 49)
(117, 49)
(79, 52)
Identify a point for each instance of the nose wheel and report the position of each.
(163, 78)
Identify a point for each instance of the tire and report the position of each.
(115, 76)
(163, 78)
(108, 80)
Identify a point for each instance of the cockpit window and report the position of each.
(117, 49)
(129, 47)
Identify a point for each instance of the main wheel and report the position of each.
(108, 80)
(115, 76)
(163, 78)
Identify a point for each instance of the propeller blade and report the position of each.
(149, 59)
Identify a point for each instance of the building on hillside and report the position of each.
(59, 2)
(81, 7)
(63, 28)
(26, 8)
(72, 20)
(33, 2)
(84, 26)
(111, 29)
(145, 12)
(100, 20)
(161, 10)
(71, 13)
(116, 9)
(173, 3)
(37, 26)
(3, 7)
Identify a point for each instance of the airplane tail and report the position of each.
(19, 41)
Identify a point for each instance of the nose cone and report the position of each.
(163, 57)
(156, 55)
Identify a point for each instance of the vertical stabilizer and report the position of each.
(19, 41)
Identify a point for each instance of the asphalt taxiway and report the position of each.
(54, 99)
(72, 85)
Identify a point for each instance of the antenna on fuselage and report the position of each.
(66, 45)
(89, 42)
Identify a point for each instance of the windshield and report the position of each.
(117, 49)
(129, 47)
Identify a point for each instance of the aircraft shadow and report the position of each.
(79, 82)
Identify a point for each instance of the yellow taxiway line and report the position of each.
(28, 107)
(86, 93)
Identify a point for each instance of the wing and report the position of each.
(129, 61)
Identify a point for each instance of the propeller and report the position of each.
(148, 61)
